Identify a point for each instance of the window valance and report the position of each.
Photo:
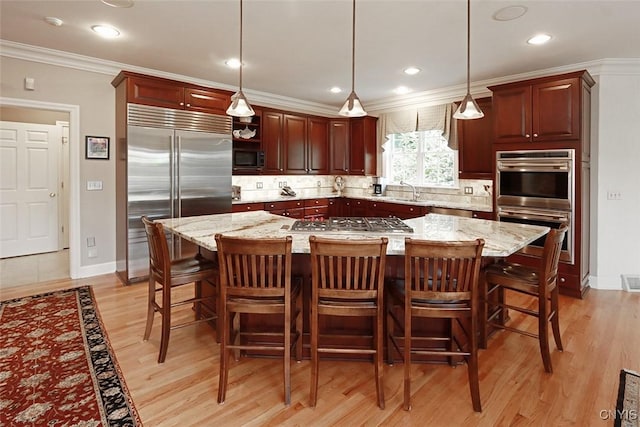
(436, 117)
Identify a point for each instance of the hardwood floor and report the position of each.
(600, 336)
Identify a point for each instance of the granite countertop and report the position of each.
(435, 203)
(501, 238)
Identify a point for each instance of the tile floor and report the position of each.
(23, 270)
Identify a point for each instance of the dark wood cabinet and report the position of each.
(318, 146)
(475, 139)
(544, 114)
(339, 146)
(272, 142)
(363, 148)
(288, 208)
(306, 144)
(544, 109)
(158, 92)
(247, 207)
(294, 136)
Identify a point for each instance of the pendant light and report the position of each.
(352, 106)
(240, 107)
(468, 108)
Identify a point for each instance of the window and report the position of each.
(421, 158)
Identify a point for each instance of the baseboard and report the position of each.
(96, 270)
(611, 283)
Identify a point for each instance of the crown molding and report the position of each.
(607, 66)
(95, 65)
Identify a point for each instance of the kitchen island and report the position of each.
(501, 240)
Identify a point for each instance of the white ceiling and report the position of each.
(301, 48)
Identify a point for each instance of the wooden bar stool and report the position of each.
(166, 274)
(347, 279)
(255, 277)
(440, 282)
(540, 283)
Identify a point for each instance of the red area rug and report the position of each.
(56, 365)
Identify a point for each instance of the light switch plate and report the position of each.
(468, 190)
(94, 185)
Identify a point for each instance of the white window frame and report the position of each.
(387, 162)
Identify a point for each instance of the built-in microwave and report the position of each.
(244, 158)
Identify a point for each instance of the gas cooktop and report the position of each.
(354, 224)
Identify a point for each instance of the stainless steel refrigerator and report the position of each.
(178, 164)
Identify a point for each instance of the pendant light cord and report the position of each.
(240, 45)
(353, 48)
(468, 46)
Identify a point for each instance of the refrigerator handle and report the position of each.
(172, 176)
(178, 191)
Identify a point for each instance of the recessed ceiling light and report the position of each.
(412, 70)
(106, 31)
(233, 63)
(56, 22)
(335, 89)
(539, 39)
(509, 13)
(118, 3)
(401, 90)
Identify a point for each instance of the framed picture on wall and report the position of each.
(97, 147)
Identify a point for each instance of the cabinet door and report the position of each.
(272, 142)
(363, 149)
(155, 92)
(556, 110)
(512, 114)
(475, 138)
(318, 146)
(339, 146)
(207, 101)
(294, 132)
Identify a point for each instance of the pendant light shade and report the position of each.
(352, 106)
(468, 108)
(240, 107)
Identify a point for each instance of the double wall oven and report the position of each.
(537, 187)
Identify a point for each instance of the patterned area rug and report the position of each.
(628, 405)
(56, 365)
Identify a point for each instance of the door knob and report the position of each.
(52, 194)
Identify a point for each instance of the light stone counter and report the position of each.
(501, 238)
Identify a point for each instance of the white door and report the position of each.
(28, 188)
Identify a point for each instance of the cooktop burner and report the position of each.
(354, 224)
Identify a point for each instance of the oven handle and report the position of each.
(535, 215)
(534, 167)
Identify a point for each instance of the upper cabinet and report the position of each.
(165, 93)
(475, 139)
(544, 109)
(294, 134)
(272, 142)
(318, 145)
(339, 146)
(363, 148)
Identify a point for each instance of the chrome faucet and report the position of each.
(413, 189)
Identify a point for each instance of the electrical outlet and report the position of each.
(258, 185)
(319, 184)
(284, 183)
(468, 190)
(279, 184)
(614, 195)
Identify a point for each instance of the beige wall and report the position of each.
(29, 115)
(95, 97)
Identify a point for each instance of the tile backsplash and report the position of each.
(261, 187)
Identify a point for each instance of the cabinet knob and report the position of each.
(535, 135)
(188, 105)
(527, 135)
(562, 279)
(182, 103)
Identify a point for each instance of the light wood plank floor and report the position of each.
(601, 335)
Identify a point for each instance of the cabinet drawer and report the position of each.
(245, 207)
(316, 202)
(289, 204)
(316, 211)
(297, 213)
